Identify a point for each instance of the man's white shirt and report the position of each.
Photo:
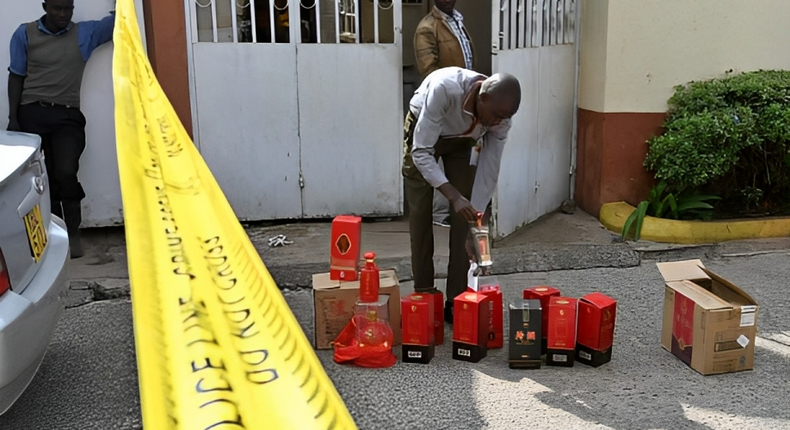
(438, 105)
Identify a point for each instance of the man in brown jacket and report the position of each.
(441, 40)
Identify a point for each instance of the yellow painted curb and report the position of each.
(613, 216)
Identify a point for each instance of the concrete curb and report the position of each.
(730, 249)
(557, 242)
(613, 216)
(675, 252)
(507, 261)
(563, 257)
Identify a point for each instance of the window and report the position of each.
(269, 21)
(535, 23)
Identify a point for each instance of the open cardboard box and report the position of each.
(709, 323)
(334, 303)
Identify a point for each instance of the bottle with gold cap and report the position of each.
(369, 280)
(372, 321)
(373, 330)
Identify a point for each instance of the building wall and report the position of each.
(592, 54)
(632, 55)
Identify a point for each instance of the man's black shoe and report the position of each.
(448, 313)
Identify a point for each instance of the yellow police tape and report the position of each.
(217, 345)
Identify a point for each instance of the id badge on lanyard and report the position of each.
(476, 151)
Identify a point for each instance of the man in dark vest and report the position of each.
(48, 57)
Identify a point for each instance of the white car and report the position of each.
(34, 248)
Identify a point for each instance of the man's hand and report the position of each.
(462, 207)
(13, 125)
(460, 204)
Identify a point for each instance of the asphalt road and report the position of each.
(88, 379)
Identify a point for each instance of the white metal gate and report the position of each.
(102, 205)
(535, 41)
(298, 114)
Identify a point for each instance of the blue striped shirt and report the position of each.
(92, 34)
(456, 24)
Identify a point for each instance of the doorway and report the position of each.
(477, 20)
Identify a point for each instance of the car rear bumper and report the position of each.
(28, 320)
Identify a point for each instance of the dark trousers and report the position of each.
(455, 154)
(62, 132)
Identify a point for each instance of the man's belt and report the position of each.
(49, 104)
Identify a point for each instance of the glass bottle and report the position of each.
(482, 242)
(369, 282)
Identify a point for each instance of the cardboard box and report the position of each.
(709, 323)
(335, 301)
(543, 293)
(345, 248)
(526, 320)
(418, 331)
(561, 347)
(470, 326)
(595, 335)
(438, 317)
(495, 315)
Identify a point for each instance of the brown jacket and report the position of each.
(435, 44)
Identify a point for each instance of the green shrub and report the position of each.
(728, 137)
(664, 204)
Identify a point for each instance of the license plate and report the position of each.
(36, 233)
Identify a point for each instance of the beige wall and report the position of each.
(592, 54)
(653, 45)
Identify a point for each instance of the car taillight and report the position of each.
(5, 280)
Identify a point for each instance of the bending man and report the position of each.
(449, 113)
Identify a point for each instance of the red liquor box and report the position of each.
(595, 329)
(470, 326)
(438, 316)
(544, 294)
(495, 315)
(345, 247)
(417, 333)
(562, 332)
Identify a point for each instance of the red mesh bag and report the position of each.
(372, 349)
